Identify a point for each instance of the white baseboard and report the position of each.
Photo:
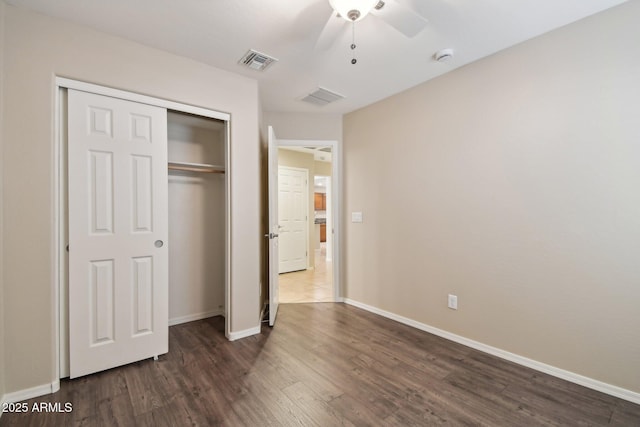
(194, 317)
(30, 393)
(243, 334)
(591, 383)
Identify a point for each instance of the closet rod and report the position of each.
(195, 167)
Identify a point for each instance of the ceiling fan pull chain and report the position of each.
(353, 42)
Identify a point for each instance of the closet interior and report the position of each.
(197, 207)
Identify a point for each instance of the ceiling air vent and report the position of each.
(256, 60)
(322, 96)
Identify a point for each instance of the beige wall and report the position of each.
(512, 183)
(318, 126)
(322, 168)
(37, 48)
(3, 345)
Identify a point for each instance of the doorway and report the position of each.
(316, 282)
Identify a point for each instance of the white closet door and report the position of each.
(118, 228)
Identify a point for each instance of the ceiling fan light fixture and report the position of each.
(353, 10)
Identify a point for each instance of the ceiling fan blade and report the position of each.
(330, 32)
(401, 17)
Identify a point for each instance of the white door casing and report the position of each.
(274, 293)
(293, 191)
(118, 229)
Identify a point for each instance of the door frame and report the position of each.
(306, 195)
(60, 279)
(336, 197)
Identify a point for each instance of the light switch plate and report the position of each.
(452, 302)
(356, 216)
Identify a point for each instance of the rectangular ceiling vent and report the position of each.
(256, 60)
(322, 96)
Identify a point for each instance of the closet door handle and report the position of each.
(271, 235)
(158, 243)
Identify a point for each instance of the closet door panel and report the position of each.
(101, 302)
(140, 127)
(142, 190)
(142, 285)
(101, 192)
(118, 230)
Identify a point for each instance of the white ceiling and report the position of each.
(219, 32)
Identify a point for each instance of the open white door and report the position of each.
(274, 293)
(118, 228)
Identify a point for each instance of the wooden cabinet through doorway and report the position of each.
(320, 201)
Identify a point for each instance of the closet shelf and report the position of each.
(195, 167)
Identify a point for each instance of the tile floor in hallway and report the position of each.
(309, 285)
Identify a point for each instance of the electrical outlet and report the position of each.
(453, 302)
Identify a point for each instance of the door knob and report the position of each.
(158, 243)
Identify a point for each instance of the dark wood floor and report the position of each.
(324, 365)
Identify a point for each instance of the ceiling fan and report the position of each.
(399, 16)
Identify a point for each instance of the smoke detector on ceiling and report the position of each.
(443, 55)
(256, 60)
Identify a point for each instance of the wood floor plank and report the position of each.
(324, 364)
(428, 412)
(556, 406)
(116, 410)
(146, 390)
(285, 411)
(315, 405)
(625, 414)
(358, 412)
(322, 385)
